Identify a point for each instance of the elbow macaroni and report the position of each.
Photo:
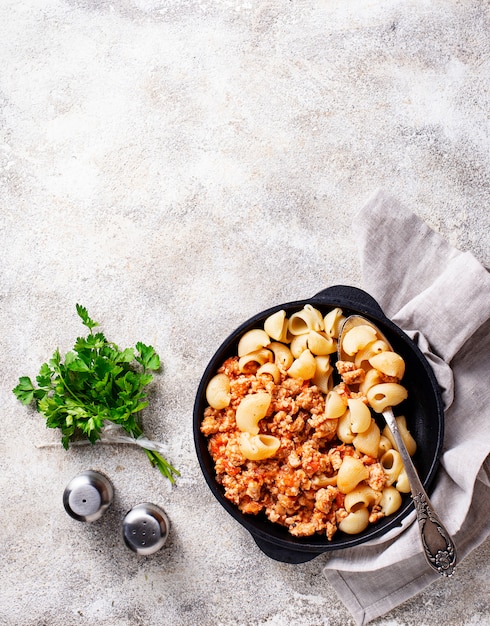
(282, 431)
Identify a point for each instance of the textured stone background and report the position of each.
(176, 167)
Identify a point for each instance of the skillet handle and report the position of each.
(346, 295)
(284, 555)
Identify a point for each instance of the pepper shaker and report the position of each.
(87, 496)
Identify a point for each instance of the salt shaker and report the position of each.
(145, 528)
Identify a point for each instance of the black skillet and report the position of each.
(423, 409)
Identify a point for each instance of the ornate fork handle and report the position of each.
(439, 548)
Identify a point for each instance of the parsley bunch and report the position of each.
(96, 383)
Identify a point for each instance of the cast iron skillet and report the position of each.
(423, 410)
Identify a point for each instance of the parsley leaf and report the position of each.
(95, 383)
(25, 390)
(86, 321)
(147, 356)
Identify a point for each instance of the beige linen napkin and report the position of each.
(441, 298)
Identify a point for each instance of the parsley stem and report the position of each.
(156, 459)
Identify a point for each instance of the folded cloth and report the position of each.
(440, 297)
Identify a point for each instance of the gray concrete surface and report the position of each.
(177, 166)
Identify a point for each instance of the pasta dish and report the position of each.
(293, 435)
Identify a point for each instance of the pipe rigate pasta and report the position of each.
(283, 357)
(305, 320)
(252, 341)
(320, 481)
(255, 359)
(276, 326)
(402, 483)
(385, 444)
(299, 344)
(251, 410)
(392, 464)
(332, 322)
(358, 338)
(361, 498)
(372, 377)
(258, 447)
(360, 415)
(320, 344)
(355, 522)
(323, 374)
(372, 349)
(218, 391)
(408, 440)
(304, 366)
(271, 370)
(335, 406)
(367, 442)
(351, 473)
(344, 430)
(389, 363)
(386, 394)
(391, 501)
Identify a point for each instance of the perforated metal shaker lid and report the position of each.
(145, 528)
(87, 496)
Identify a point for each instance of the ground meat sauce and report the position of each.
(297, 486)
